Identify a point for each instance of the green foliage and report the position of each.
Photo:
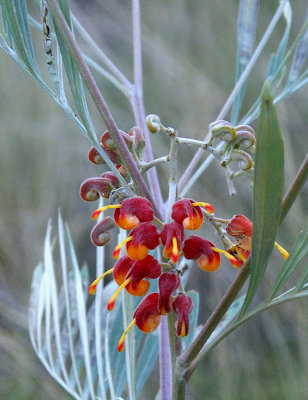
(267, 194)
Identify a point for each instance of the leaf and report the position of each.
(300, 56)
(267, 192)
(81, 310)
(246, 30)
(232, 312)
(16, 16)
(298, 252)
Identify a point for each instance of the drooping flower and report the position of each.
(197, 248)
(240, 227)
(130, 212)
(140, 240)
(182, 306)
(131, 275)
(146, 316)
(172, 237)
(168, 283)
(188, 213)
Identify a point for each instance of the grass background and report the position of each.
(189, 51)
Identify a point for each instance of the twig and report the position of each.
(237, 87)
(138, 104)
(100, 103)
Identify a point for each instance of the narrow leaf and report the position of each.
(81, 309)
(267, 193)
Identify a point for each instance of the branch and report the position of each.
(237, 87)
(294, 188)
(100, 102)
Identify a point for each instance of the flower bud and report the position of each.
(100, 234)
(91, 188)
(138, 139)
(108, 142)
(182, 306)
(168, 283)
(153, 123)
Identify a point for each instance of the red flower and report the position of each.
(130, 212)
(132, 275)
(182, 306)
(146, 316)
(239, 226)
(189, 214)
(239, 253)
(197, 248)
(168, 283)
(140, 240)
(172, 237)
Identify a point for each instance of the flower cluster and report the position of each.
(133, 270)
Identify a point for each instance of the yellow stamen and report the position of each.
(121, 341)
(284, 252)
(175, 250)
(92, 288)
(116, 294)
(226, 254)
(118, 248)
(97, 212)
(209, 208)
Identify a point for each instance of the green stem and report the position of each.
(100, 102)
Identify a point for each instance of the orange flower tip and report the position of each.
(209, 208)
(120, 346)
(110, 305)
(283, 251)
(92, 289)
(116, 253)
(236, 263)
(96, 214)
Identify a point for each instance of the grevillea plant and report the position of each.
(95, 347)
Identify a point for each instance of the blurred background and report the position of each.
(189, 55)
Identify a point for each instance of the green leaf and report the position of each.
(267, 192)
(298, 252)
(16, 16)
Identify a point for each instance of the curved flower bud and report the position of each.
(108, 142)
(245, 137)
(100, 234)
(172, 237)
(239, 226)
(96, 158)
(168, 283)
(197, 248)
(243, 159)
(188, 213)
(130, 212)
(140, 240)
(223, 130)
(91, 188)
(121, 169)
(182, 306)
(146, 316)
(153, 123)
(138, 139)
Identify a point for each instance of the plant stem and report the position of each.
(237, 87)
(164, 361)
(138, 105)
(294, 188)
(188, 360)
(100, 102)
